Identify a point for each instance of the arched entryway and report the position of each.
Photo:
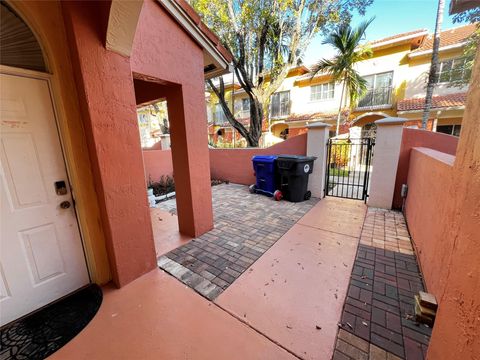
(366, 123)
(42, 257)
(279, 130)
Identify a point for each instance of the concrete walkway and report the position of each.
(287, 305)
(294, 294)
(156, 317)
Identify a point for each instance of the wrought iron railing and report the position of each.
(377, 97)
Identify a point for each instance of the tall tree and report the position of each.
(346, 42)
(473, 41)
(267, 38)
(433, 74)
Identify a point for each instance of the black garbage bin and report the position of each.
(293, 171)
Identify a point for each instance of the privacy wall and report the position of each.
(443, 216)
(234, 165)
(419, 138)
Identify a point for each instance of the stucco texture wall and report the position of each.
(107, 97)
(157, 163)
(235, 165)
(163, 53)
(418, 138)
(443, 215)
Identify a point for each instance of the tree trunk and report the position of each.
(340, 108)
(433, 74)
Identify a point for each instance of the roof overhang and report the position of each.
(441, 49)
(458, 6)
(215, 63)
(413, 39)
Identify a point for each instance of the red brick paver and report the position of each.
(379, 307)
(246, 226)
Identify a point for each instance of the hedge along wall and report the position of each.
(419, 138)
(234, 165)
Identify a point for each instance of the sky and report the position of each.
(391, 17)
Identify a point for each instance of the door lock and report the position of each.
(65, 204)
(61, 187)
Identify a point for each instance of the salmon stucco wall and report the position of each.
(235, 165)
(443, 216)
(107, 98)
(418, 138)
(165, 54)
(157, 163)
(429, 176)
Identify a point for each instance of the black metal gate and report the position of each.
(349, 163)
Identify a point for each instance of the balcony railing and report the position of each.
(377, 97)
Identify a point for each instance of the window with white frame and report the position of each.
(379, 90)
(453, 70)
(322, 91)
(280, 104)
(449, 129)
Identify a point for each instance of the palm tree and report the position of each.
(433, 74)
(349, 51)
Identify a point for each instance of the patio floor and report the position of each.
(246, 225)
(338, 284)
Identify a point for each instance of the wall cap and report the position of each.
(391, 121)
(317, 124)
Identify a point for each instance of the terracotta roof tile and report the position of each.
(398, 36)
(441, 101)
(192, 14)
(448, 37)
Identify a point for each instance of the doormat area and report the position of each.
(40, 334)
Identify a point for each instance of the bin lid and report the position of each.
(264, 158)
(296, 158)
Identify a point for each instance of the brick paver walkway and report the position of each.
(246, 225)
(377, 320)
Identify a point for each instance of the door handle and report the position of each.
(65, 204)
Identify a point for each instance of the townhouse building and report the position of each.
(396, 76)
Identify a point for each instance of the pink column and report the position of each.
(191, 163)
(107, 98)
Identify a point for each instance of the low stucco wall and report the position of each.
(443, 221)
(429, 181)
(157, 163)
(419, 138)
(235, 165)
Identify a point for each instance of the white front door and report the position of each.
(41, 254)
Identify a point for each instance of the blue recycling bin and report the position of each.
(266, 176)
